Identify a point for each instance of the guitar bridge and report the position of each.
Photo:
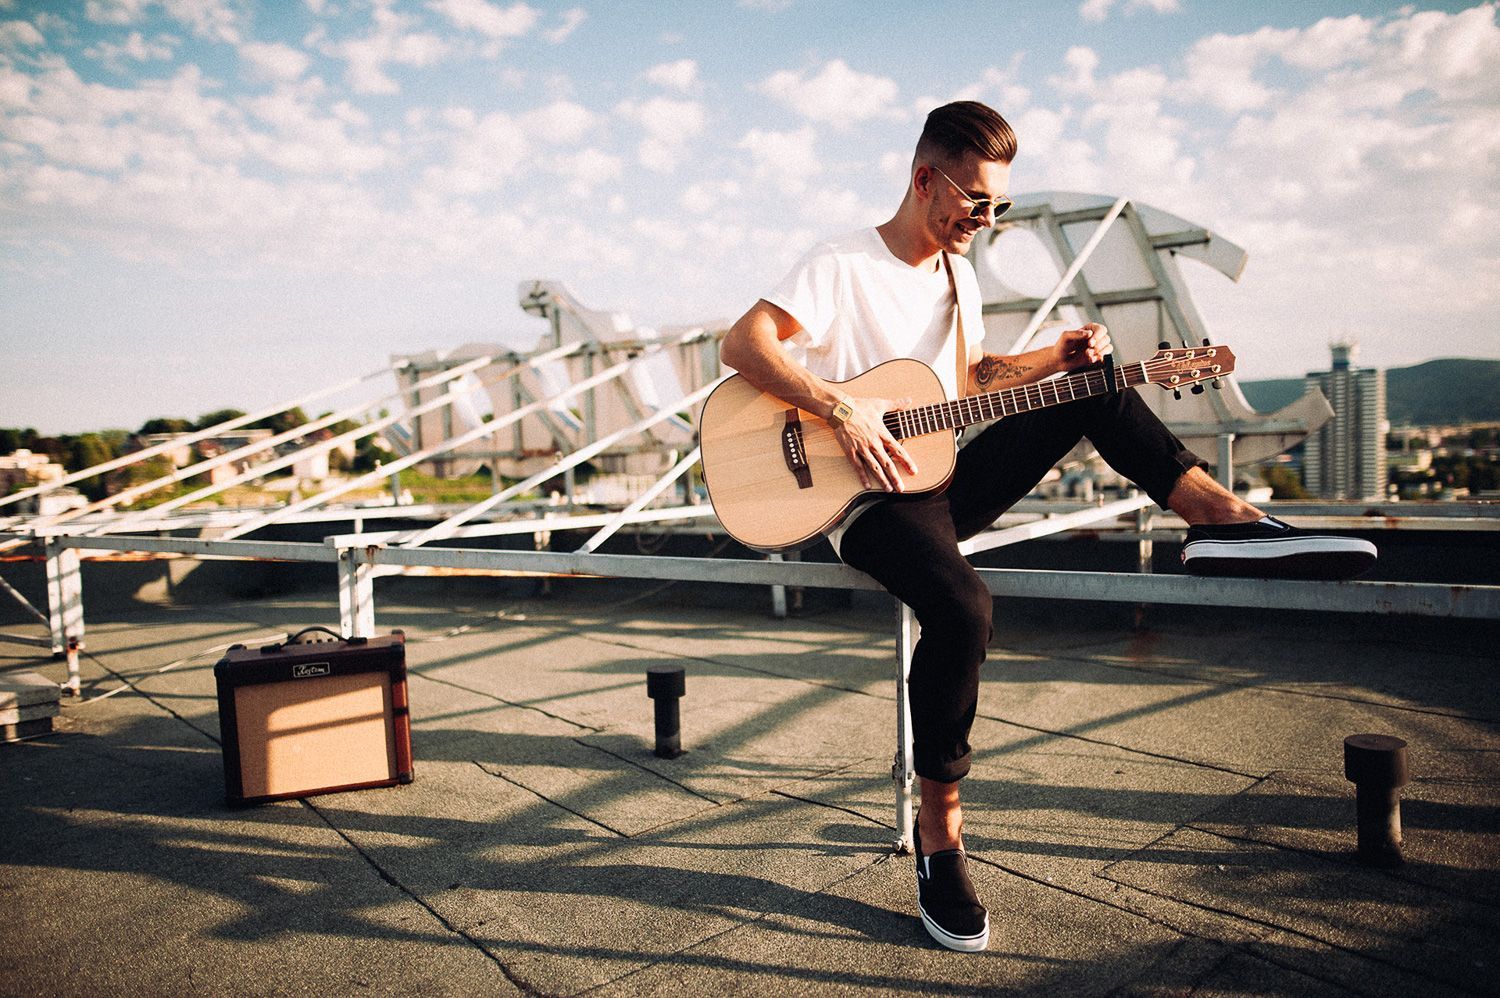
(794, 451)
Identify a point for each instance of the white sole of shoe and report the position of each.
(963, 944)
(1329, 558)
(1272, 548)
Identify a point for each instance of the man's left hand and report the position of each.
(1077, 348)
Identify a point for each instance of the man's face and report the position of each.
(949, 220)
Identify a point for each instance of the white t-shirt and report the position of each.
(859, 306)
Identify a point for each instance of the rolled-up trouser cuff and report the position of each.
(942, 770)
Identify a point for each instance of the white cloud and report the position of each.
(115, 11)
(1000, 87)
(680, 75)
(19, 34)
(391, 42)
(709, 197)
(273, 61)
(305, 141)
(1221, 69)
(483, 153)
(488, 19)
(668, 235)
(560, 123)
(1081, 62)
(837, 95)
(787, 159)
(1099, 10)
(134, 48)
(670, 126)
(571, 19)
(211, 19)
(585, 171)
(836, 208)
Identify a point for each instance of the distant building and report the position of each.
(182, 454)
(1345, 458)
(23, 469)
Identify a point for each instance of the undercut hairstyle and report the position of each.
(966, 126)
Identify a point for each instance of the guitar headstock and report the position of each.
(1174, 369)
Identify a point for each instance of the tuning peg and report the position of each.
(1217, 383)
(1205, 342)
(1177, 394)
(1163, 345)
(1197, 389)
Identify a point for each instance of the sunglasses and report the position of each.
(1000, 204)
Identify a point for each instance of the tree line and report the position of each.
(76, 452)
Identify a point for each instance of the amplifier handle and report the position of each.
(294, 639)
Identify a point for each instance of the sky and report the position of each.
(218, 203)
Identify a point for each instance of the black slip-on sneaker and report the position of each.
(1269, 549)
(951, 911)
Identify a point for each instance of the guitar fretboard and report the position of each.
(973, 409)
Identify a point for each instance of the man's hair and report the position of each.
(966, 126)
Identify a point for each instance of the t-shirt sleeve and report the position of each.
(810, 293)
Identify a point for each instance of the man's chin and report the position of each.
(960, 243)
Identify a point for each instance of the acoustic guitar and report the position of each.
(778, 478)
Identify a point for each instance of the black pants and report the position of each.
(910, 546)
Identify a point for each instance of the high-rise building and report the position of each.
(1345, 458)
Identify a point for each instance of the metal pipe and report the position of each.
(903, 769)
(666, 685)
(74, 685)
(1376, 765)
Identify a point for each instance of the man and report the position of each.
(889, 292)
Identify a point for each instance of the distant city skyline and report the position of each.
(224, 203)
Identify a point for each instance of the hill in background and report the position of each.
(1434, 393)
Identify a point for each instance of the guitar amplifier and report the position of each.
(313, 717)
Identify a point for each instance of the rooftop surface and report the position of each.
(1158, 809)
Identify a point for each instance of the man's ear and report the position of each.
(921, 181)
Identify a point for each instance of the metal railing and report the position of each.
(361, 557)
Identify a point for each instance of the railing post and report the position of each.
(64, 597)
(1144, 552)
(907, 632)
(1144, 548)
(778, 593)
(356, 595)
(1226, 460)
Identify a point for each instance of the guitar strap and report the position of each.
(961, 349)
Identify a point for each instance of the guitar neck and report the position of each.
(982, 408)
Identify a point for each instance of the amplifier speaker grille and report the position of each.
(310, 734)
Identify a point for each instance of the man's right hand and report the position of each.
(877, 456)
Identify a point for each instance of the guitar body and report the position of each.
(777, 486)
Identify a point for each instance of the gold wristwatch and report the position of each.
(841, 413)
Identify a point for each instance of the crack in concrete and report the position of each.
(746, 923)
(389, 878)
(659, 776)
(541, 796)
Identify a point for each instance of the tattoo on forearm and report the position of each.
(992, 368)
